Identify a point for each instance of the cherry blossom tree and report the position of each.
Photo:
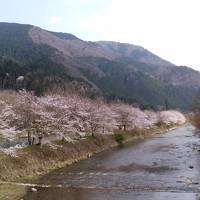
(28, 116)
(122, 115)
(72, 117)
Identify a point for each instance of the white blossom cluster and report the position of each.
(72, 117)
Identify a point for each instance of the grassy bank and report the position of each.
(12, 192)
(32, 162)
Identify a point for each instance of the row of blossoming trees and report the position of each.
(69, 117)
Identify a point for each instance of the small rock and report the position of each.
(180, 181)
(59, 186)
(191, 167)
(154, 163)
(33, 189)
(89, 155)
(195, 183)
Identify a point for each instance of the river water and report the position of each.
(165, 167)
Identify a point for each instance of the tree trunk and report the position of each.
(40, 137)
(33, 140)
(29, 138)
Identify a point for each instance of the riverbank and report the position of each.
(165, 163)
(31, 163)
(34, 161)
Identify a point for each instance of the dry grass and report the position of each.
(196, 120)
(12, 192)
(34, 161)
(8, 96)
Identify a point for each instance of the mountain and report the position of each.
(50, 61)
(134, 53)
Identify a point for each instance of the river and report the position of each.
(164, 167)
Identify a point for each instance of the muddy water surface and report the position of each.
(165, 167)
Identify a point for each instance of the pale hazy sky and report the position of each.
(169, 28)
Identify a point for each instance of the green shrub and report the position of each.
(119, 138)
(160, 124)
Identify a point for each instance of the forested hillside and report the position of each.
(39, 60)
